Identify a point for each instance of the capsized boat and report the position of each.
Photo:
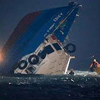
(49, 58)
(30, 35)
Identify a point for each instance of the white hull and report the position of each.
(55, 62)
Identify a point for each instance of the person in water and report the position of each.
(94, 64)
(71, 72)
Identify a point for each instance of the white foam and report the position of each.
(83, 73)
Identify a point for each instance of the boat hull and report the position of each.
(97, 69)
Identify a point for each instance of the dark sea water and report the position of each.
(83, 85)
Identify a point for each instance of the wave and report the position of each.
(84, 73)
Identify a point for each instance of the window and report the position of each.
(57, 47)
(48, 49)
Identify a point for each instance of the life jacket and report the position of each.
(96, 64)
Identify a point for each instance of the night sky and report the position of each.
(85, 32)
